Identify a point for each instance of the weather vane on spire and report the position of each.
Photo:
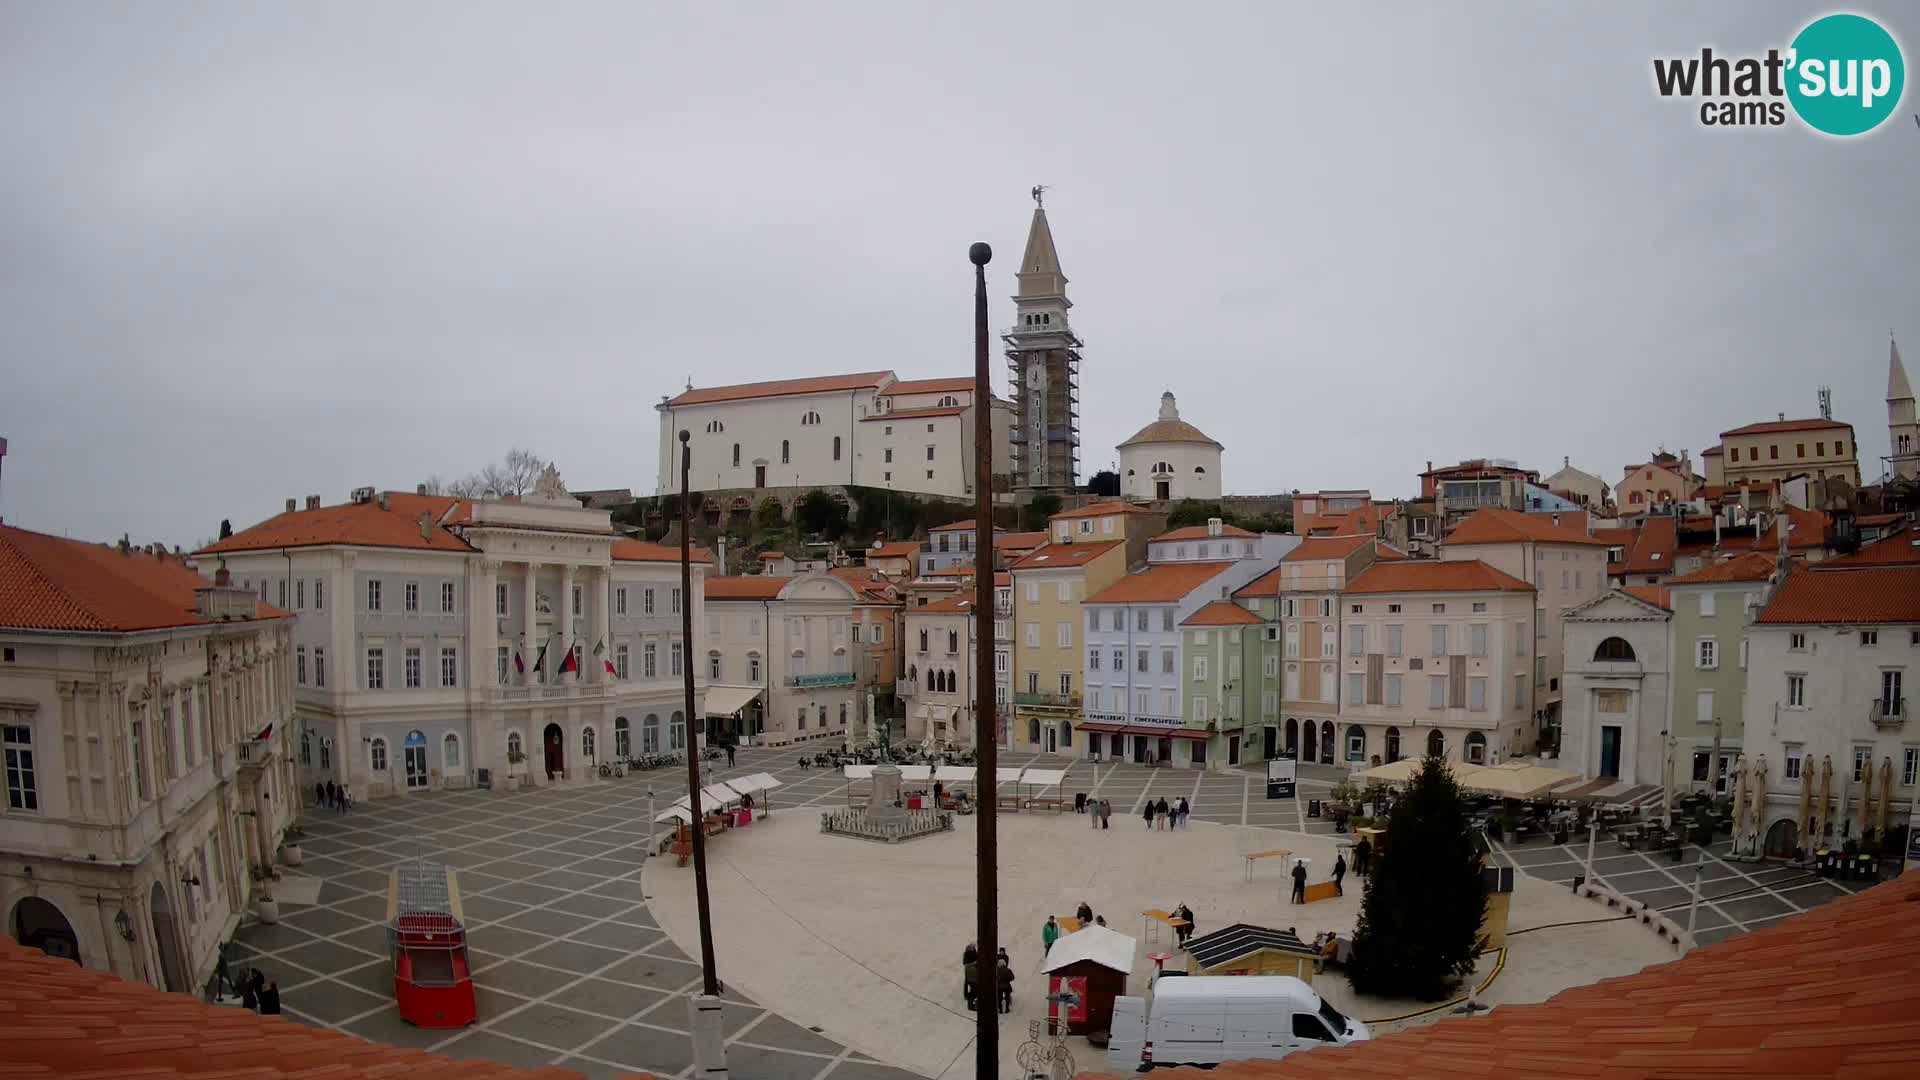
(1039, 192)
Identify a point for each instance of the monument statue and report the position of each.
(548, 485)
(542, 603)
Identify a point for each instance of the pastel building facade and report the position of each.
(778, 651)
(1619, 672)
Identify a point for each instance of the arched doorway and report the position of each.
(1436, 744)
(1326, 742)
(1066, 735)
(37, 924)
(1783, 839)
(1356, 743)
(1476, 748)
(622, 739)
(555, 745)
(1393, 745)
(1293, 739)
(166, 938)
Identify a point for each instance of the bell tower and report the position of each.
(1903, 430)
(1043, 367)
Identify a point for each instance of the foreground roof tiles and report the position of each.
(1496, 526)
(1657, 595)
(1161, 583)
(647, 551)
(898, 549)
(960, 385)
(51, 583)
(1429, 575)
(1267, 584)
(1653, 550)
(864, 380)
(1327, 547)
(1827, 994)
(1879, 594)
(1101, 508)
(61, 1019)
(1898, 548)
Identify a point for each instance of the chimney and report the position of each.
(290, 505)
(313, 502)
(383, 500)
(1556, 519)
(419, 489)
(223, 578)
(1783, 417)
(426, 525)
(720, 555)
(1716, 528)
(124, 546)
(1213, 526)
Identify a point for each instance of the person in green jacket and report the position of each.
(1049, 933)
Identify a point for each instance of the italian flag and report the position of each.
(600, 651)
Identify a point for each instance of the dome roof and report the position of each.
(1169, 428)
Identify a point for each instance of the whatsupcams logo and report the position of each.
(1842, 75)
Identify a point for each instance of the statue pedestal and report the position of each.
(887, 806)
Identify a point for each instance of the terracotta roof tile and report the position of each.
(1898, 548)
(1266, 585)
(1877, 594)
(1752, 566)
(1430, 575)
(950, 605)
(756, 587)
(51, 583)
(1054, 556)
(625, 550)
(1019, 540)
(1104, 506)
(961, 385)
(1496, 526)
(898, 549)
(1160, 583)
(1657, 595)
(358, 524)
(1362, 519)
(1385, 552)
(1653, 550)
(1327, 547)
(1170, 431)
(1222, 613)
(1769, 426)
(1199, 532)
(865, 380)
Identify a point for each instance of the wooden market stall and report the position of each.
(1245, 949)
(1093, 963)
(427, 937)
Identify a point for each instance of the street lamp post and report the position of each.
(987, 1019)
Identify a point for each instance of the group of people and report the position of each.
(333, 796)
(257, 992)
(1003, 969)
(1099, 813)
(1168, 816)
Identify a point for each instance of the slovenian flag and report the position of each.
(519, 663)
(600, 651)
(567, 666)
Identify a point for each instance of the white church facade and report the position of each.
(1170, 459)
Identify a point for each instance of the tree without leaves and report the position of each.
(1419, 922)
(514, 474)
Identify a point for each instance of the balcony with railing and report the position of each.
(1888, 714)
(253, 753)
(1047, 700)
(821, 679)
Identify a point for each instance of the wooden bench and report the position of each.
(1277, 853)
(1157, 919)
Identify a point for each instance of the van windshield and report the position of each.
(1333, 1017)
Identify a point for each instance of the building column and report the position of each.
(563, 615)
(529, 624)
(599, 606)
(484, 635)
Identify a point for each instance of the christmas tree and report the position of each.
(1419, 923)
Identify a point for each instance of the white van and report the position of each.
(1202, 1020)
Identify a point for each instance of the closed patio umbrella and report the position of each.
(1801, 825)
(1866, 798)
(1758, 800)
(1739, 795)
(1826, 795)
(1886, 794)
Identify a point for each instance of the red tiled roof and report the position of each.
(51, 583)
(772, 556)
(961, 385)
(625, 550)
(1712, 451)
(1897, 548)
(1020, 540)
(1430, 575)
(62, 1019)
(1103, 507)
(1653, 550)
(358, 525)
(865, 380)
(1770, 426)
(1879, 519)
(899, 549)
(1267, 584)
(1199, 532)
(1617, 537)
(1003, 578)
(1825, 995)
(1361, 519)
(1160, 583)
(1657, 595)
(1877, 594)
(949, 605)
(1222, 613)
(1752, 566)
(1385, 552)
(1326, 547)
(756, 587)
(1053, 556)
(914, 414)
(1496, 526)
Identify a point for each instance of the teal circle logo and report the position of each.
(1845, 74)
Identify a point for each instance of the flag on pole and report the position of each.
(540, 660)
(265, 734)
(519, 662)
(600, 651)
(567, 666)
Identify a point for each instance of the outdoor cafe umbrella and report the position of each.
(1866, 797)
(1740, 794)
(1886, 793)
(1393, 772)
(1802, 826)
(1757, 799)
(1826, 793)
(1512, 780)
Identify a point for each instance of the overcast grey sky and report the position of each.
(255, 251)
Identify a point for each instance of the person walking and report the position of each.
(1084, 913)
(1050, 933)
(1362, 856)
(1148, 814)
(971, 988)
(1005, 974)
(1180, 815)
(250, 997)
(333, 795)
(346, 798)
(319, 794)
(270, 1000)
(1299, 883)
(971, 954)
(1339, 874)
(1093, 813)
(1160, 810)
(1106, 813)
(729, 755)
(1185, 933)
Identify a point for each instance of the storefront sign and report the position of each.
(1282, 775)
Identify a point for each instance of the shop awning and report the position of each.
(1104, 729)
(857, 772)
(717, 794)
(1170, 732)
(728, 700)
(955, 774)
(759, 781)
(916, 772)
(1044, 778)
(1004, 775)
(677, 812)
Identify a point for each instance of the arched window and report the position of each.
(450, 752)
(953, 641)
(1033, 731)
(1326, 742)
(923, 639)
(836, 448)
(843, 714)
(786, 452)
(933, 682)
(650, 734)
(1393, 744)
(1066, 735)
(586, 744)
(377, 755)
(622, 739)
(736, 455)
(1614, 649)
(1356, 743)
(1436, 744)
(1476, 748)
(677, 731)
(1199, 469)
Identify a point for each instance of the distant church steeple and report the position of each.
(1903, 428)
(1043, 368)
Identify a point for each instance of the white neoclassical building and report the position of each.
(1170, 459)
(438, 642)
(777, 653)
(1618, 682)
(143, 719)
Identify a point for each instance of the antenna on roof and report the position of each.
(1825, 394)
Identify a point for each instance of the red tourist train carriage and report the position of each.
(427, 937)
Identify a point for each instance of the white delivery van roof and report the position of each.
(1231, 988)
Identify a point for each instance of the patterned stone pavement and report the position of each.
(572, 970)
